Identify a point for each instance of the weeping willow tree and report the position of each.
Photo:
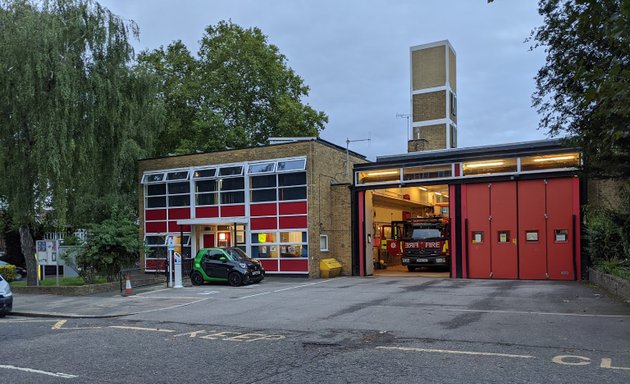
(74, 114)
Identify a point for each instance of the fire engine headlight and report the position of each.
(440, 260)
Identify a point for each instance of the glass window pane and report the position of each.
(261, 168)
(323, 242)
(156, 202)
(294, 193)
(232, 197)
(152, 178)
(264, 195)
(292, 179)
(432, 172)
(263, 181)
(156, 189)
(559, 161)
(292, 165)
(180, 175)
(175, 188)
(292, 250)
(179, 201)
(155, 240)
(379, 176)
(264, 237)
(292, 237)
(489, 167)
(201, 173)
(227, 171)
(232, 184)
(206, 199)
(265, 251)
(206, 185)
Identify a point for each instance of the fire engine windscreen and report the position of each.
(425, 234)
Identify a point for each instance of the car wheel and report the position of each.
(235, 279)
(196, 278)
(411, 269)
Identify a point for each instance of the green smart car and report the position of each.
(225, 264)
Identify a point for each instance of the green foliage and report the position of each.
(620, 268)
(608, 232)
(238, 91)
(74, 115)
(111, 245)
(8, 272)
(584, 87)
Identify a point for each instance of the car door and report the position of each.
(214, 266)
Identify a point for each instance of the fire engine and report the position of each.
(425, 242)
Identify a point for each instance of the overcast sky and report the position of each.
(354, 56)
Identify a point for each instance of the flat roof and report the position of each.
(525, 148)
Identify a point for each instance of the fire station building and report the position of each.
(512, 211)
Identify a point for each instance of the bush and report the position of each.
(111, 246)
(8, 272)
(608, 235)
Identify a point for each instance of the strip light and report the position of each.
(555, 158)
(382, 173)
(484, 164)
(423, 188)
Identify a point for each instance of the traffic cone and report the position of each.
(127, 286)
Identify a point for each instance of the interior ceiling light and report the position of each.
(423, 188)
(484, 164)
(383, 173)
(438, 193)
(555, 158)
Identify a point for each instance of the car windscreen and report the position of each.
(426, 233)
(237, 254)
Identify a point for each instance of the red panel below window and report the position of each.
(270, 265)
(174, 227)
(294, 265)
(155, 265)
(233, 210)
(155, 214)
(264, 223)
(296, 208)
(155, 227)
(263, 209)
(288, 222)
(207, 212)
(179, 213)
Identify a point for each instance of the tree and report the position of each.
(237, 92)
(73, 115)
(584, 87)
(111, 245)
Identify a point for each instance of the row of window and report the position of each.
(473, 168)
(225, 171)
(274, 187)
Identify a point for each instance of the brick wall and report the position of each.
(428, 67)
(429, 106)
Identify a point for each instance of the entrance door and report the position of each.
(503, 259)
(478, 223)
(208, 240)
(560, 231)
(532, 238)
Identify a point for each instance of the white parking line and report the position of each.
(530, 313)
(285, 289)
(31, 370)
(458, 352)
